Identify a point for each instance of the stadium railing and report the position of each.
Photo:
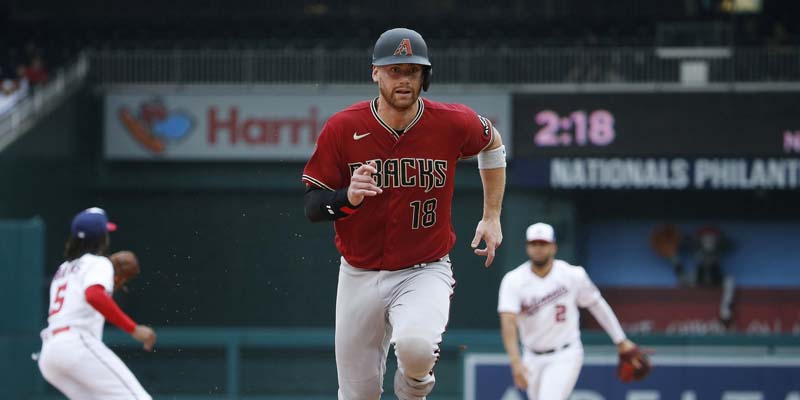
(471, 66)
(18, 118)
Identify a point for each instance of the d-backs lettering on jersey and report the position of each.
(547, 307)
(408, 172)
(68, 306)
(409, 222)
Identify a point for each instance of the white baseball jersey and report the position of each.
(68, 306)
(547, 307)
(74, 358)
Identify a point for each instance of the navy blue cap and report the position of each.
(91, 223)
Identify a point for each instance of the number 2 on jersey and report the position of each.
(423, 213)
(561, 313)
(58, 302)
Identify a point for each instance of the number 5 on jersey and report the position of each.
(58, 301)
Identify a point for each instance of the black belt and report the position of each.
(551, 351)
(423, 264)
(446, 257)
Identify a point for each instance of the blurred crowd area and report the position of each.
(356, 23)
(58, 30)
(22, 69)
(38, 36)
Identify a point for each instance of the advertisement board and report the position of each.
(678, 124)
(488, 377)
(164, 123)
(662, 141)
(696, 311)
(677, 173)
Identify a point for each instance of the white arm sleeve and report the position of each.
(605, 317)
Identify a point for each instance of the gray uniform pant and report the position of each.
(409, 309)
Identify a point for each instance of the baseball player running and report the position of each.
(383, 171)
(73, 357)
(540, 298)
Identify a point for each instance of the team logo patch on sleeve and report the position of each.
(487, 126)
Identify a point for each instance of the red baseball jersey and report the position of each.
(409, 222)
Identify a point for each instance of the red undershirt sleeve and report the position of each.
(96, 296)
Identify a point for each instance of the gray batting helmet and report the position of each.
(403, 46)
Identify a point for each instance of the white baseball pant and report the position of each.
(409, 309)
(82, 367)
(553, 376)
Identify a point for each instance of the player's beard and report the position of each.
(541, 263)
(398, 102)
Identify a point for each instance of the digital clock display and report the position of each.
(579, 128)
(684, 124)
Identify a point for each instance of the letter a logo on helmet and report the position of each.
(400, 46)
(404, 48)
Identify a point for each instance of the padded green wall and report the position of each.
(21, 308)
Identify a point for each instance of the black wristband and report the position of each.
(326, 205)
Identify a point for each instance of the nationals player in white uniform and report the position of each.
(540, 299)
(73, 357)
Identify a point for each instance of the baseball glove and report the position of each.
(665, 240)
(634, 365)
(126, 267)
